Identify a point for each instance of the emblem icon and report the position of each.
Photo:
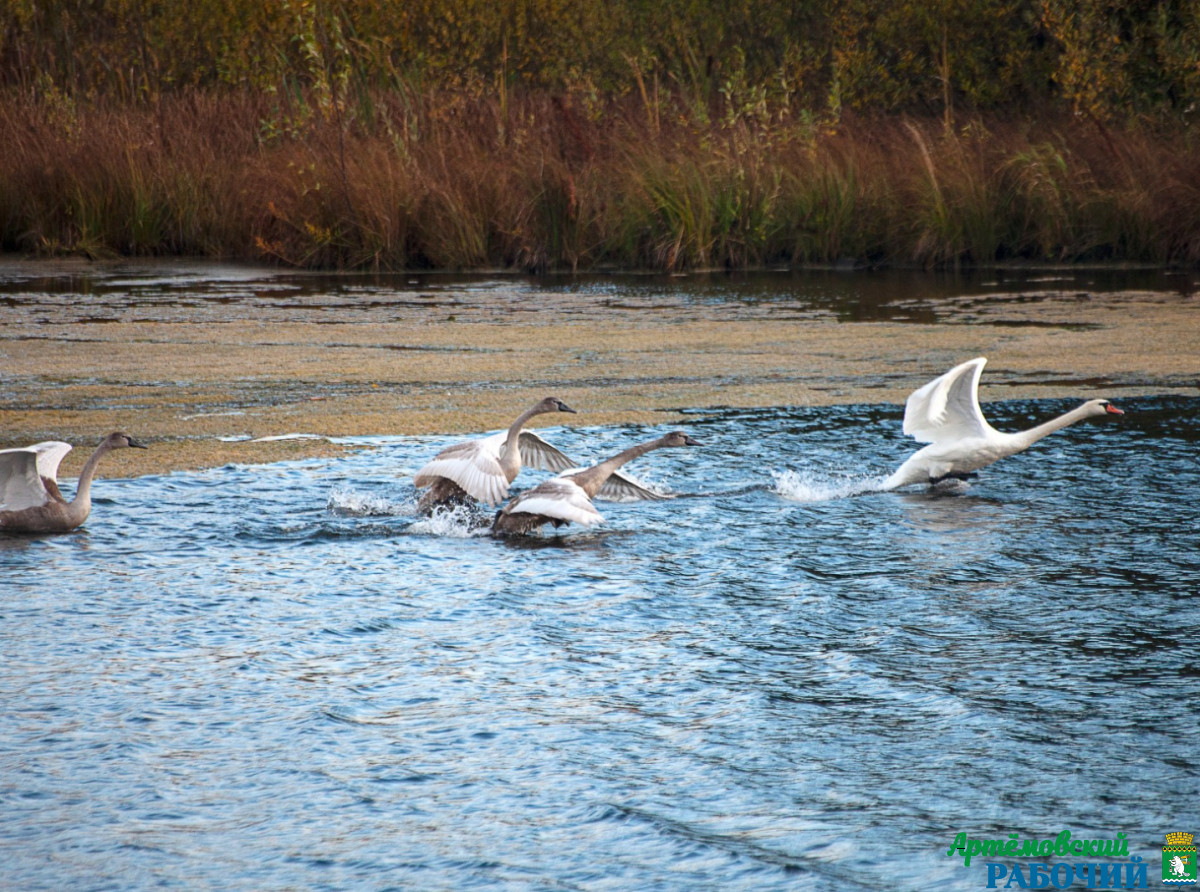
(1179, 859)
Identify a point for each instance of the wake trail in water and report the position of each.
(809, 486)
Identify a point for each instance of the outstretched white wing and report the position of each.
(22, 470)
(474, 465)
(49, 456)
(947, 408)
(560, 499)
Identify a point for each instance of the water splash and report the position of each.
(809, 486)
(454, 522)
(347, 502)
(457, 522)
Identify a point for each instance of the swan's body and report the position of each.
(30, 501)
(483, 469)
(945, 414)
(568, 497)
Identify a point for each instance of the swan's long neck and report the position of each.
(510, 461)
(81, 506)
(595, 477)
(1025, 439)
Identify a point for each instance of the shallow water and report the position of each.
(279, 677)
(201, 292)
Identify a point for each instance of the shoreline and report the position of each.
(183, 375)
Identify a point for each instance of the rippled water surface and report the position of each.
(204, 293)
(281, 678)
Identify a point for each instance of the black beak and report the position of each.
(688, 441)
(563, 407)
(135, 444)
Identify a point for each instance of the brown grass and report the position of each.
(544, 182)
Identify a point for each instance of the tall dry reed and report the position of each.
(537, 182)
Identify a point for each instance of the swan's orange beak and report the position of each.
(1113, 410)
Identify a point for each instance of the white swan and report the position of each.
(483, 469)
(945, 414)
(568, 497)
(30, 501)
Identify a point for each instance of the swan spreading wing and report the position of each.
(947, 408)
(620, 487)
(474, 465)
(537, 453)
(22, 470)
(560, 499)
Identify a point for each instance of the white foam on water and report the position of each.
(809, 486)
(458, 522)
(346, 501)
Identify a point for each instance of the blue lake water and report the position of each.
(280, 677)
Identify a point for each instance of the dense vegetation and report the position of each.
(548, 133)
(1092, 56)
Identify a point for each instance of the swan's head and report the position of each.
(1102, 407)
(119, 440)
(679, 438)
(554, 404)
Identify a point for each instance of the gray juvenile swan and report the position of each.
(945, 414)
(483, 469)
(568, 497)
(30, 501)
